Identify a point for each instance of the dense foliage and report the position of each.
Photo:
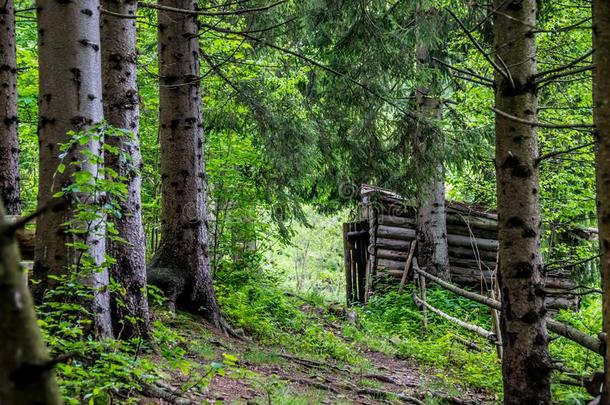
(315, 99)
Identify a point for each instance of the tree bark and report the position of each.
(26, 374)
(432, 249)
(70, 100)
(9, 141)
(526, 366)
(601, 115)
(121, 110)
(181, 266)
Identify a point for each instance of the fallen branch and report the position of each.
(587, 341)
(155, 391)
(470, 345)
(11, 228)
(468, 326)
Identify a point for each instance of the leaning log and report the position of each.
(468, 326)
(26, 370)
(587, 341)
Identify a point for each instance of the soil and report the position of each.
(261, 372)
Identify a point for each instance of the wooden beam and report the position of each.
(468, 242)
(395, 232)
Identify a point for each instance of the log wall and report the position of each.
(472, 238)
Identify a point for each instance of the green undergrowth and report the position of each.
(392, 322)
(110, 371)
(254, 303)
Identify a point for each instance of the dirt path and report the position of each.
(265, 375)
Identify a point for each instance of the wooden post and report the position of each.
(348, 265)
(371, 250)
(495, 314)
(495, 319)
(422, 295)
(362, 247)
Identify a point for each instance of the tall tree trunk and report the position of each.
(181, 266)
(26, 375)
(9, 141)
(432, 249)
(601, 115)
(526, 363)
(121, 110)
(70, 99)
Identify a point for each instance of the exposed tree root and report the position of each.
(389, 394)
(155, 391)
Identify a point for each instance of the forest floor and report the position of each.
(253, 373)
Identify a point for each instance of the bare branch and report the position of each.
(562, 152)
(549, 79)
(540, 124)
(576, 25)
(564, 67)
(466, 72)
(118, 15)
(57, 203)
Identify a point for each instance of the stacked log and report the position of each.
(472, 239)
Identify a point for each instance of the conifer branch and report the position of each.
(474, 41)
(564, 67)
(216, 68)
(564, 74)
(466, 72)
(563, 152)
(210, 13)
(576, 25)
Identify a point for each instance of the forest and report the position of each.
(304, 202)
